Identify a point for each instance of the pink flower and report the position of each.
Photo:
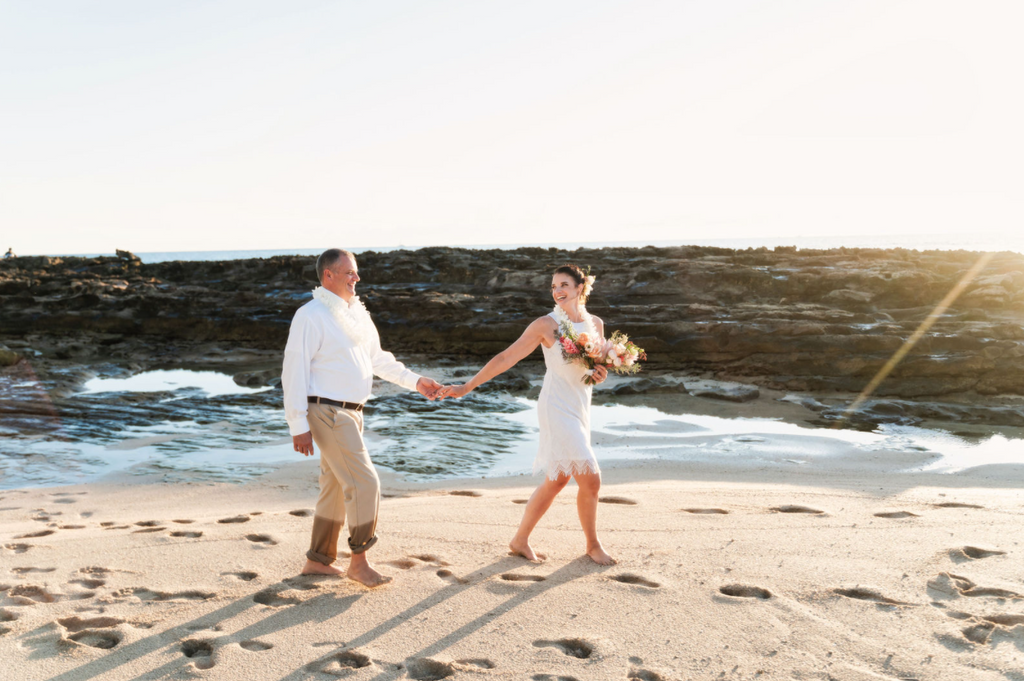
(569, 346)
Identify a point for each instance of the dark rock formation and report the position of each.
(788, 319)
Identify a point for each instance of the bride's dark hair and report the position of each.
(578, 275)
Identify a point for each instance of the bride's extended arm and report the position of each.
(507, 358)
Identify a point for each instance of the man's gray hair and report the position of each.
(329, 258)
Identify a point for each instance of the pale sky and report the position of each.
(248, 124)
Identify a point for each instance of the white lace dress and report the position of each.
(564, 413)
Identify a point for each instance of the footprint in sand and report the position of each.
(76, 624)
(402, 563)
(144, 594)
(301, 512)
(451, 577)
(89, 583)
(340, 664)
(426, 669)
(946, 585)
(235, 519)
(147, 530)
(183, 521)
(629, 578)
(465, 493)
(794, 508)
(26, 570)
(7, 615)
(18, 548)
(955, 504)
(973, 553)
(979, 633)
(149, 523)
(645, 675)
(245, 575)
(745, 591)
(273, 597)
(104, 640)
(896, 515)
(573, 647)
(71, 527)
(552, 677)
(92, 570)
(65, 501)
(519, 501)
(432, 559)
(199, 651)
(33, 535)
(256, 646)
(863, 594)
(475, 664)
(623, 501)
(516, 577)
(190, 534)
(30, 594)
(983, 632)
(707, 511)
(264, 539)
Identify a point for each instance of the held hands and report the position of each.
(456, 390)
(430, 388)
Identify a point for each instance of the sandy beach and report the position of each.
(845, 570)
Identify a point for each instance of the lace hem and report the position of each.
(568, 468)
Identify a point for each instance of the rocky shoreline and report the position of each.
(815, 323)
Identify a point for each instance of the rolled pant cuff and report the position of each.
(319, 557)
(363, 547)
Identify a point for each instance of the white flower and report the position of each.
(352, 317)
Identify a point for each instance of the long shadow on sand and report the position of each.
(318, 608)
(581, 567)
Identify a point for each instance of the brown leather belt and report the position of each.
(355, 406)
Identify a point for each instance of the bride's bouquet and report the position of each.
(618, 353)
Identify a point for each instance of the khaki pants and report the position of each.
(349, 487)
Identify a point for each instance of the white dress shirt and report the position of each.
(321, 360)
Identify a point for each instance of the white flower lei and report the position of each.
(566, 324)
(353, 318)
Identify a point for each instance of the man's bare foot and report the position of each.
(315, 568)
(523, 549)
(600, 556)
(367, 576)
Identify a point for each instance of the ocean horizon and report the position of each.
(918, 242)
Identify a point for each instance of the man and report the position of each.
(333, 351)
(9, 254)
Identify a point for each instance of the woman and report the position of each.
(563, 410)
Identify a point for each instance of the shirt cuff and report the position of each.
(409, 380)
(298, 426)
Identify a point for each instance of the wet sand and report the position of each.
(846, 568)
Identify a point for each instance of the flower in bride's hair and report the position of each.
(588, 284)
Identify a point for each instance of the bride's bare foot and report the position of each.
(523, 549)
(600, 556)
(315, 568)
(367, 576)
